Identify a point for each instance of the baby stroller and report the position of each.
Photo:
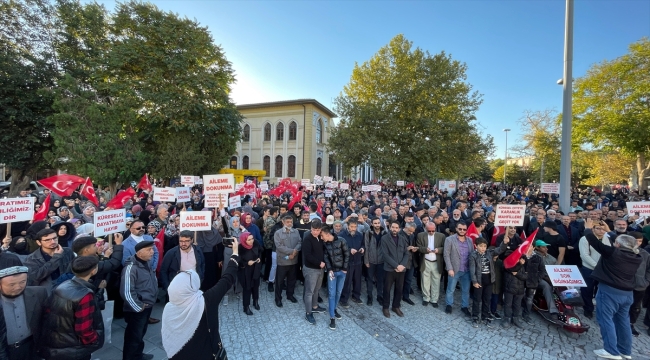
(566, 300)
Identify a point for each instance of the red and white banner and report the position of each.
(110, 222)
(187, 180)
(400, 182)
(166, 194)
(510, 215)
(16, 209)
(447, 185)
(550, 188)
(183, 194)
(218, 184)
(196, 220)
(641, 207)
(328, 193)
(565, 275)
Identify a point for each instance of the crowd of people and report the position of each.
(55, 276)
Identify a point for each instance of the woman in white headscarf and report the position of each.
(190, 321)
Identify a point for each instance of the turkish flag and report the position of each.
(498, 230)
(62, 185)
(121, 199)
(523, 234)
(159, 243)
(296, 199)
(144, 184)
(472, 232)
(89, 192)
(41, 214)
(512, 259)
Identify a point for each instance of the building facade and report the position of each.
(284, 138)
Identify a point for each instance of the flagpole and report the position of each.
(110, 239)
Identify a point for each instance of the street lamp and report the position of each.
(565, 152)
(505, 166)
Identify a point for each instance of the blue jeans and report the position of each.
(334, 288)
(464, 278)
(613, 315)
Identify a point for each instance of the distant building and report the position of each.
(286, 139)
(522, 162)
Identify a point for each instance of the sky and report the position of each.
(514, 49)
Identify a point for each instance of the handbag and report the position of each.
(218, 351)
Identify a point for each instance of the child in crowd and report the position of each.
(515, 289)
(483, 274)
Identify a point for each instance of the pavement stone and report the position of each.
(364, 333)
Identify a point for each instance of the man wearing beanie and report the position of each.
(72, 326)
(139, 289)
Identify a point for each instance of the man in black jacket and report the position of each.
(312, 269)
(337, 258)
(396, 256)
(185, 256)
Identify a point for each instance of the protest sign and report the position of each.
(400, 182)
(109, 222)
(318, 178)
(16, 209)
(447, 185)
(238, 187)
(234, 202)
(344, 186)
(510, 215)
(318, 182)
(164, 194)
(375, 187)
(264, 187)
(327, 178)
(304, 182)
(188, 180)
(641, 207)
(328, 193)
(183, 194)
(550, 188)
(329, 185)
(196, 220)
(364, 188)
(217, 201)
(335, 184)
(218, 184)
(565, 275)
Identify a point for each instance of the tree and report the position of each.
(514, 175)
(541, 135)
(607, 168)
(26, 70)
(611, 107)
(416, 110)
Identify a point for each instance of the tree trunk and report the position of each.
(643, 170)
(19, 181)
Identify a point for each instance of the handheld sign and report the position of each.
(16, 209)
(318, 178)
(335, 184)
(305, 182)
(166, 194)
(216, 200)
(400, 182)
(510, 215)
(364, 188)
(187, 180)
(344, 186)
(196, 220)
(234, 202)
(550, 188)
(218, 184)
(109, 222)
(328, 193)
(183, 194)
(327, 178)
(264, 187)
(447, 185)
(565, 275)
(641, 207)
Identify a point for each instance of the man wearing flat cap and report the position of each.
(139, 289)
(22, 307)
(73, 327)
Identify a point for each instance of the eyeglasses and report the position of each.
(139, 228)
(461, 229)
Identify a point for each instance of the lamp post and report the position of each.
(565, 160)
(505, 166)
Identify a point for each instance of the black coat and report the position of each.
(337, 255)
(536, 270)
(171, 265)
(516, 284)
(248, 273)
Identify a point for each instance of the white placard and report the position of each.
(327, 178)
(234, 202)
(215, 201)
(328, 193)
(641, 207)
(364, 188)
(447, 185)
(550, 188)
(318, 178)
(510, 215)
(264, 187)
(218, 184)
(188, 179)
(375, 187)
(305, 182)
(196, 220)
(16, 209)
(183, 194)
(335, 184)
(400, 182)
(565, 275)
(344, 186)
(109, 222)
(165, 194)
(238, 187)
(329, 185)
(198, 180)
(318, 182)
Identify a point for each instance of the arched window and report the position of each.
(319, 132)
(267, 165)
(291, 171)
(319, 166)
(279, 131)
(278, 166)
(267, 132)
(247, 133)
(233, 162)
(293, 130)
(244, 163)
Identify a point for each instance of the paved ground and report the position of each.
(364, 333)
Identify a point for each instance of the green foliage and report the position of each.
(418, 112)
(514, 174)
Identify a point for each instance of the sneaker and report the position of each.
(332, 324)
(488, 317)
(488, 323)
(310, 319)
(496, 315)
(626, 356)
(634, 332)
(318, 310)
(448, 309)
(344, 305)
(466, 312)
(271, 288)
(605, 355)
(337, 315)
(475, 323)
(357, 301)
(224, 301)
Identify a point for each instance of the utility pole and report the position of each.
(565, 161)
(505, 166)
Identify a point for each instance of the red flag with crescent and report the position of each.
(62, 185)
(145, 184)
(498, 230)
(89, 192)
(121, 199)
(512, 259)
(41, 214)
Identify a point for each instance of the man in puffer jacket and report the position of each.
(337, 258)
